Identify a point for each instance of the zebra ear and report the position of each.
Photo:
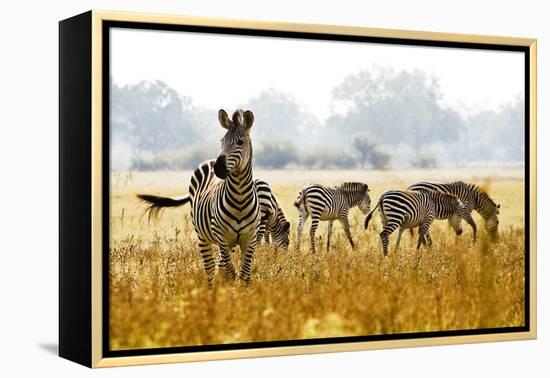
(248, 119)
(365, 187)
(224, 119)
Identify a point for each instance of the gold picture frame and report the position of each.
(82, 42)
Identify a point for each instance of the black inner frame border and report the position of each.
(105, 82)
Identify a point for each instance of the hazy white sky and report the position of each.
(221, 71)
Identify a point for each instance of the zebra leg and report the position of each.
(266, 236)
(312, 230)
(428, 238)
(468, 218)
(420, 239)
(209, 262)
(227, 264)
(303, 218)
(422, 231)
(401, 229)
(261, 232)
(343, 218)
(247, 254)
(385, 235)
(329, 234)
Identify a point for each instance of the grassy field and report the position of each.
(159, 295)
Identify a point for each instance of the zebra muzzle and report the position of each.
(220, 167)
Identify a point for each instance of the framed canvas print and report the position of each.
(234, 188)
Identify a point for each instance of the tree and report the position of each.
(424, 160)
(395, 107)
(380, 159)
(495, 135)
(510, 130)
(151, 116)
(279, 116)
(365, 144)
(276, 155)
(369, 152)
(327, 157)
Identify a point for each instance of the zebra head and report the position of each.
(459, 211)
(281, 233)
(491, 223)
(236, 149)
(449, 206)
(490, 211)
(364, 204)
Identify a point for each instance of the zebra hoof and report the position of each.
(229, 277)
(246, 282)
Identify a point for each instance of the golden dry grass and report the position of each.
(159, 296)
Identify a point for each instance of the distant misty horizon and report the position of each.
(326, 105)
(224, 70)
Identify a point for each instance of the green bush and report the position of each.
(379, 159)
(276, 155)
(325, 158)
(425, 160)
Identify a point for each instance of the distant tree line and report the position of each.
(389, 119)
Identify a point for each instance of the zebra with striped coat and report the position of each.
(328, 204)
(273, 221)
(225, 209)
(410, 209)
(473, 198)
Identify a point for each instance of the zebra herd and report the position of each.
(229, 208)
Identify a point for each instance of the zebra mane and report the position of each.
(484, 203)
(353, 187)
(484, 197)
(238, 118)
(440, 194)
(353, 191)
(281, 214)
(481, 194)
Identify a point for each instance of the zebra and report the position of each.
(409, 209)
(324, 203)
(473, 198)
(225, 209)
(273, 220)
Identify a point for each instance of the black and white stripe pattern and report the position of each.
(410, 209)
(274, 222)
(473, 198)
(324, 203)
(224, 203)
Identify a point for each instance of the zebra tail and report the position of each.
(299, 199)
(369, 215)
(156, 203)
